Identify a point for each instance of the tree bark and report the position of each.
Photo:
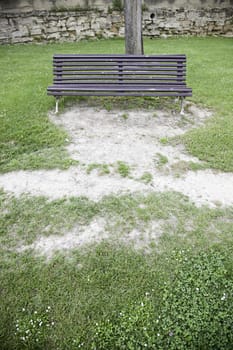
(133, 27)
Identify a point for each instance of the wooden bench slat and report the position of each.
(132, 94)
(142, 81)
(123, 60)
(119, 67)
(122, 75)
(119, 87)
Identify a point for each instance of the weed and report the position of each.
(164, 140)
(103, 169)
(181, 167)
(160, 160)
(117, 5)
(123, 169)
(146, 178)
(194, 311)
(32, 329)
(125, 116)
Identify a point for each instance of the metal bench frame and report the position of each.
(119, 75)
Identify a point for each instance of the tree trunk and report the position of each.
(133, 27)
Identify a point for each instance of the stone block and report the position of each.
(115, 18)
(71, 29)
(228, 27)
(3, 22)
(70, 21)
(53, 36)
(70, 24)
(51, 30)
(122, 32)
(89, 34)
(16, 34)
(4, 36)
(95, 26)
(82, 20)
(27, 21)
(36, 31)
(18, 40)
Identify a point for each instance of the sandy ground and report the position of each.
(101, 137)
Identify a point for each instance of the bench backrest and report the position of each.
(118, 69)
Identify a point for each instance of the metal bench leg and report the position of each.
(56, 108)
(182, 105)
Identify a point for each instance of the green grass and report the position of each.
(26, 133)
(95, 283)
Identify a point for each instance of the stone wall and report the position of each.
(37, 26)
(48, 5)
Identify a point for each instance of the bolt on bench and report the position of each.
(119, 75)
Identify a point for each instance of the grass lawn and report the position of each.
(177, 295)
(29, 141)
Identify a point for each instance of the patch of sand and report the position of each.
(93, 233)
(102, 137)
(79, 236)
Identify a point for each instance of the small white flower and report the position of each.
(23, 309)
(52, 323)
(224, 296)
(157, 321)
(158, 335)
(142, 304)
(35, 312)
(197, 289)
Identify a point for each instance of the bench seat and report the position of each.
(119, 75)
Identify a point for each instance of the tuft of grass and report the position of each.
(146, 178)
(164, 140)
(123, 169)
(103, 169)
(160, 160)
(182, 166)
(125, 116)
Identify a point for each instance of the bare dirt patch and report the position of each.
(78, 237)
(94, 233)
(121, 153)
(102, 138)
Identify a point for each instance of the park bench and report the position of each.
(119, 75)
